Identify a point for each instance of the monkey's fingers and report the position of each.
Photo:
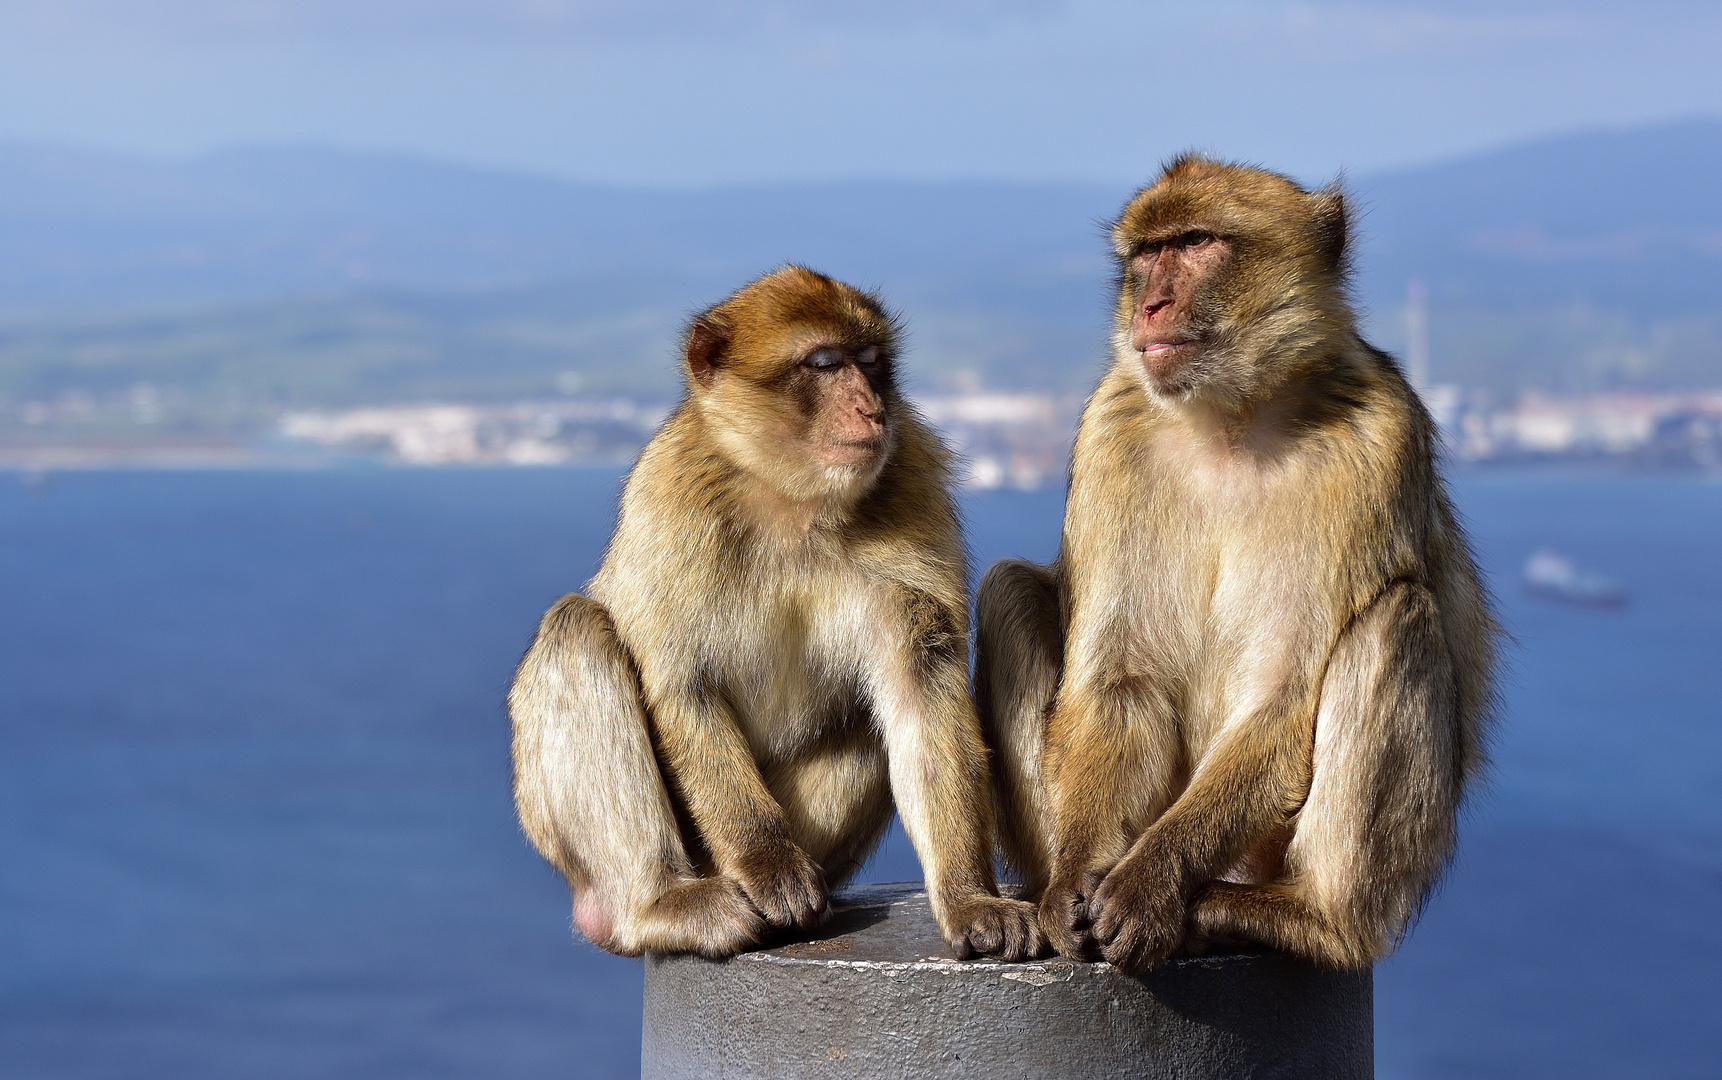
(1023, 937)
(1137, 927)
(1128, 949)
(985, 932)
(787, 887)
(1143, 944)
(1064, 920)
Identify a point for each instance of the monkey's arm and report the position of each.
(719, 782)
(1247, 786)
(939, 779)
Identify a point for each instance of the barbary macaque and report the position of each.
(774, 650)
(1244, 703)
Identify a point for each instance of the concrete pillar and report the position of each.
(878, 995)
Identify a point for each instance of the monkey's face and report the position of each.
(840, 393)
(1173, 322)
(815, 423)
(793, 374)
(1229, 278)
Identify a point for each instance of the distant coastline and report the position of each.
(1006, 439)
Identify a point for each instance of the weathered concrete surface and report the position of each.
(878, 995)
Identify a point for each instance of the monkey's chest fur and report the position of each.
(786, 662)
(1213, 585)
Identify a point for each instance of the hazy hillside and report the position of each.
(1587, 261)
(255, 278)
(83, 229)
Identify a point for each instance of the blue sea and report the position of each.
(254, 811)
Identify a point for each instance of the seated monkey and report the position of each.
(1245, 701)
(774, 650)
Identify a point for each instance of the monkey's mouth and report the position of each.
(853, 452)
(1162, 358)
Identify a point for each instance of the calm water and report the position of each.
(254, 818)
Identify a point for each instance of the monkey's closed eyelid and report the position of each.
(868, 355)
(824, 358)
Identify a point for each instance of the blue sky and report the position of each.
(675, 93)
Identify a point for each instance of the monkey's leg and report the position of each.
(591, 798)
(1241, 794)
(1113, 762)
(719, 782)
(1019, 654)
(836, 800)
(1379, 822)
(938, 765)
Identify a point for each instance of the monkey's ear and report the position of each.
(1332, 224)
(706, 347)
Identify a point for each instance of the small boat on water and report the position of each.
(1553, 576)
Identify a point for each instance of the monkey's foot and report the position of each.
(1139, 915)
(709, 916)
(785, 886)
(1064, 914)
(1007, 929)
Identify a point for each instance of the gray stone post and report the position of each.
(878, 995)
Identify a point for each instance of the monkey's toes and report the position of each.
(996, 926)
(986, 933)
(1064, 920)
(729, 924)
(1023, 937)
(786, 887)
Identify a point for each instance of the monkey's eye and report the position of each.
(824, 359)
(1196, 238)
(869, 355)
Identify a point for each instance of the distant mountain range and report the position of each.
(1587, 261)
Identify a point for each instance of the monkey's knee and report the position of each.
(1017, 596)
(710, 916)
(580, 622)
(576, 656)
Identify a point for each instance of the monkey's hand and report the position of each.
(785, 885)
(1064, 913)
(994, 925)
(1138, 912)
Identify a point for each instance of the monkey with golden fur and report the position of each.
(1246, 700)
(775, 649)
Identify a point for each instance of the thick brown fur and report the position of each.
(775, 647)
(1246, 701)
